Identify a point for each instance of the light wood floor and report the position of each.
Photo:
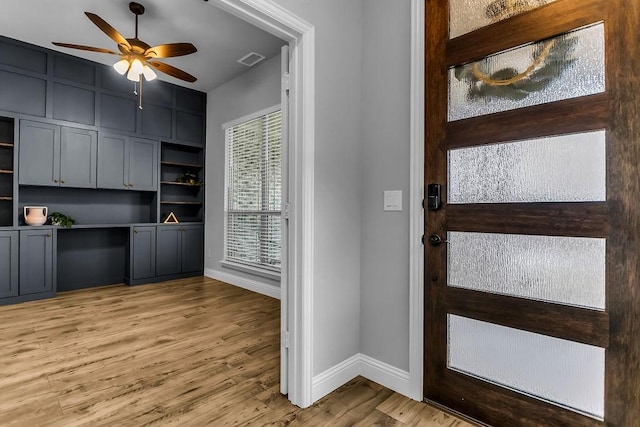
(183, 353)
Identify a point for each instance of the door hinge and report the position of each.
(286, 210)
(286, 81)
(285, 339)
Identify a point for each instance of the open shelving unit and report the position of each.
(178, 194)
(6, 171)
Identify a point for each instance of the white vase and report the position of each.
(35, 215)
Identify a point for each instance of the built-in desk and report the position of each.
(91, 255)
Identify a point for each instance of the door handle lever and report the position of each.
(436, 240)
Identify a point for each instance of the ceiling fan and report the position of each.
(136, 56)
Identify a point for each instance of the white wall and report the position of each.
(255, 90)
(385, 152)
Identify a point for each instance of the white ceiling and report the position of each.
(221, 38)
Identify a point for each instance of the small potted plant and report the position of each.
(61, 220)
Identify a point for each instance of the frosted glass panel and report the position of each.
(468, 15)
(566, 270)
(569, 168)
(568, 66)
(563, 372)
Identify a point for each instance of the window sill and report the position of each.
(256, 271)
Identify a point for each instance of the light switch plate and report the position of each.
(393, 200)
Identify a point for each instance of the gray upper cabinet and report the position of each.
(127, 163)
(36, 261)
(39, 159)
(113, 161)
(56, 156)
(78, 157)
(143, 164)
(8, 264)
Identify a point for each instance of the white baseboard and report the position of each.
(334, 377)
(243, 282)
(382, 373)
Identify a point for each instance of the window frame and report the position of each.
(247, 267)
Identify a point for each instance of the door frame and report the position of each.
(416, 213)
(300, 35)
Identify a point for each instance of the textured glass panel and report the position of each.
(568, 168)
(568, 66)
(468, 15)
(563, 372)
(566, 270)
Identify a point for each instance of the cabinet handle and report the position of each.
(126, 185)
(130, 185)
(55, 180)
(135, 231)
(48, 234)
(62, 181)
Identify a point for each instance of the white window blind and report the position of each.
(253, 191)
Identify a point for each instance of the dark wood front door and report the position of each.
(532, 298)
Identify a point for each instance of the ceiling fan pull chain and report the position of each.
(135, 88)
(140, 97)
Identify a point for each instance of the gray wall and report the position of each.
(255, 90)
(361, 267)
(338, 177)
(386, 83)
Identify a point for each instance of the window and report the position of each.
(253, 190)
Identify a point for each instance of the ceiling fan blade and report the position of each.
(170, 50)
(107, 29)
(173, 71)
(89, 48)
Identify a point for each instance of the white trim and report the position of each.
(389, 376)
(416, 213)
(384, 374)
(243, 282)
(250, 269)
(251, 116)
(300, 34)
(336, 376)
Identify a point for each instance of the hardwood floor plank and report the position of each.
(190, 352)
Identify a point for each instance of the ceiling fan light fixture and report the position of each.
(131, 75)
(137, 66)
(148, 73)
(121, 67)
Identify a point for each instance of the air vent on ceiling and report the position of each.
(251, 59)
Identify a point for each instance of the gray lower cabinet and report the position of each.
(37, 273)
(192, 248)
(180, 249)
(57, 156)
(8, 264)
(144, 253)
(126, 163)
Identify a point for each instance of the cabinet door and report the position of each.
(192, 248)
(78, 158)
(8, 263)
(168, 259)
(144, 253)
(39, 155)
(143, 165)
(113, 162)
(36, 261)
